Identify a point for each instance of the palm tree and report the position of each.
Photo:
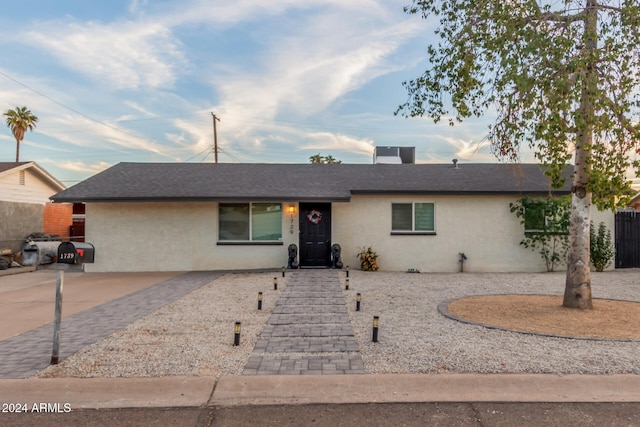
(19, 121)
(316, 159)
(331, 160)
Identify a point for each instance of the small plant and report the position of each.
(602, 251)
(368, 259)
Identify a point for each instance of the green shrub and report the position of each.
(601, 251)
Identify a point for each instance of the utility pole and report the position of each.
(215, 136)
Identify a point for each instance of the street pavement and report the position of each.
(263, 397)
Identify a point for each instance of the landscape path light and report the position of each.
(358, 298)
(236, 333)
(376, 324)
(259, 300)
(275, 283)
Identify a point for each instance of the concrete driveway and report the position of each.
(27, 300)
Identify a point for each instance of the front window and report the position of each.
(545, 216)
(249, 222)
(413, 217)
(534, 221)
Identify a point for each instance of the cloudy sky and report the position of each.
(139, 80)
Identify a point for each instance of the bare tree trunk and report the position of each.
(577, 293)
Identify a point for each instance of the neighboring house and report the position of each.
(25, 189)
(177, 217)
(635, 202)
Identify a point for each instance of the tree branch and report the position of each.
(558, 17)
(612, 8)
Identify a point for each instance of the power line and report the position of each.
(319, 127)
(118, 129)
(57, 102)
(230, 155)
(198, 154)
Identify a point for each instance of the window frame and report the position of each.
(251, 240)
(542, 218)
(413, 231)
(533, 218)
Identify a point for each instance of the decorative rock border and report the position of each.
(443, 308)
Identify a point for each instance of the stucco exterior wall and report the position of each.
(482, 227)
(18, 221)
(173, 237)
(184, 236)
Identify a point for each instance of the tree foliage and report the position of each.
(546, 221)
(563, 78)
(19, 121)
(553, 71)
(318, 159)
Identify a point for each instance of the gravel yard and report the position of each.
(194, 335)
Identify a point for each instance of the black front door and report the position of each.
(315, 234)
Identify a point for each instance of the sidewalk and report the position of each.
(174, 392)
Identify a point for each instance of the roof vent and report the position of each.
(455, 163)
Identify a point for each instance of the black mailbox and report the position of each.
(76, 253)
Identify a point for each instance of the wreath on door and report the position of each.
(314, 217)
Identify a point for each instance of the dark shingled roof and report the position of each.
(5, 166)
(302, 182)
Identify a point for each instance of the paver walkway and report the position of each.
(309, 331)
(23, 355)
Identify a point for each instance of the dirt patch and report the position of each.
(544, 314)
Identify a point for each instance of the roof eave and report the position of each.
(461, 193)
(196, 199)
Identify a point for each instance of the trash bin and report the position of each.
(30, 254)
(37, 253)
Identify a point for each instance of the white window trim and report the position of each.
(413, 221)
(250, 241)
